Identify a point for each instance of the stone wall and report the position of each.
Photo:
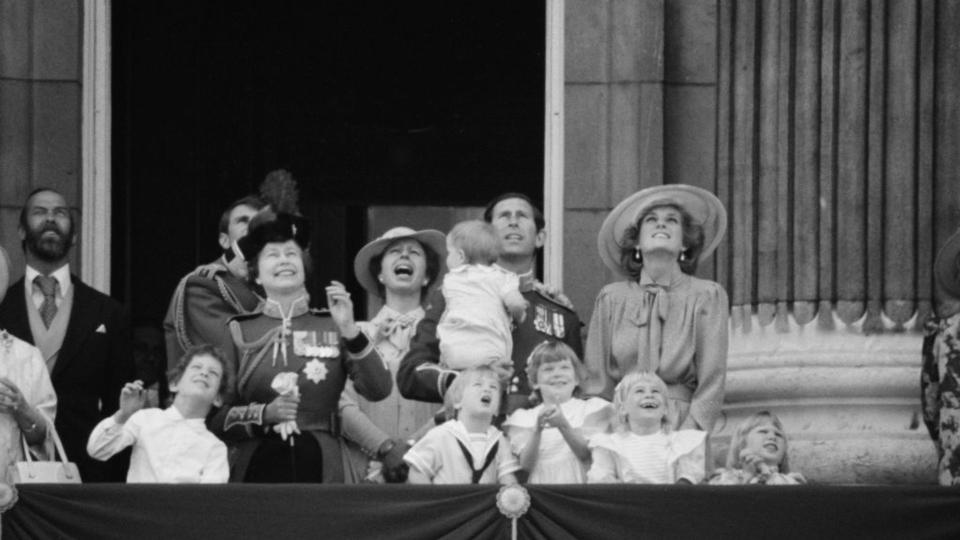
(40, 104)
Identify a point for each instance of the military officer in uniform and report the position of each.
(290, 364)
(520, 228)
(208, 296)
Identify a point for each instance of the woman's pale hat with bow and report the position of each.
(704, 207)
(430, 238)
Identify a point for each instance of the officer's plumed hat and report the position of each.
(279, 220)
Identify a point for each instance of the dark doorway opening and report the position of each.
(426, 103)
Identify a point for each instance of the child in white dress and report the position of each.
(481, 298)
(758, 454)
(643, 449)
(467, 449)
(551, 438)
(171, 445)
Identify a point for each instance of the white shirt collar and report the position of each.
(62, 275)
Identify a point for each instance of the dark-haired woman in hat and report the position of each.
(290, 366)
(661, 318)
(940, 368)
(399, 267)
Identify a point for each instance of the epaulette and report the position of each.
(208, 271)
(553, 300)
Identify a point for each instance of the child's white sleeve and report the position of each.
(424, 455)
(519, 428)
(109, 437)
(604, 467)
(692, 463)
(216, 470)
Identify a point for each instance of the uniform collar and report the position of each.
(272, 308)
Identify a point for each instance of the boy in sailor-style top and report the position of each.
(467, 449)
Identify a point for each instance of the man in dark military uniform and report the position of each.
(520, 227)
(208, 296)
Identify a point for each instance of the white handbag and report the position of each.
(31, 471)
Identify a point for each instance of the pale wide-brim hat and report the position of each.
(947, 266)
(430, 238)
(704, 207)
(4, 273)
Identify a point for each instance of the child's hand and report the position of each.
(519, 311)
(753, 463)
(552, 416)
(341, 309)
(132, 399)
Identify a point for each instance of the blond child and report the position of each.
(551, 438)
(481, 298)
(467, 449)
(171, 445)
(758, 454)
(643, 449)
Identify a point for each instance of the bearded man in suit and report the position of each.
(83, 334)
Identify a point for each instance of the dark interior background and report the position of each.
(366, 102)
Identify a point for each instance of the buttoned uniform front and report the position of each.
(305, 342)
(167, 448)
(421, 377)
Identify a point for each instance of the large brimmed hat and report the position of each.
(947, 266)
(268, 226)
(704, 207)
(430, 238)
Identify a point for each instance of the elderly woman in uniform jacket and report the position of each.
(290, 365)
(661, 318)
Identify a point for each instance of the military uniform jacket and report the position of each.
(306, 346)
(202, 304)
(420, 376)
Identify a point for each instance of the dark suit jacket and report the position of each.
(90, 371)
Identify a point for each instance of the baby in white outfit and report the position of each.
(481, 298)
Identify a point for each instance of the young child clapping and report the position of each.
(643, 450)
(551, 438)
(171, 445)
(758, 454)
(467, 449)
(481, 298)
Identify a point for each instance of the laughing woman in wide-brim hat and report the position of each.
(290, 364)
(940, 367)
(400, 267)
(660, 318)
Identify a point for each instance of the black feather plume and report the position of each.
(279, 190)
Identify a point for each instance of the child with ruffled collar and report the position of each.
(551, 438)
(643, 449)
